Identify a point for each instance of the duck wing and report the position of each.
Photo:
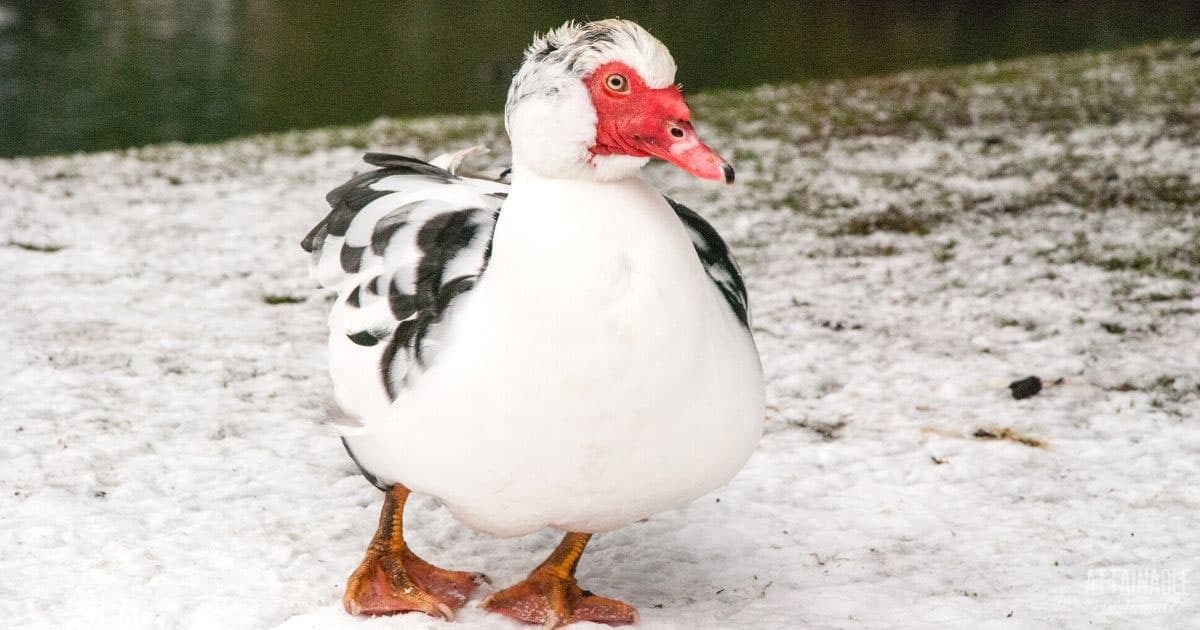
(716, 259)
(399, 244)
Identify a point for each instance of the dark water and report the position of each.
(94, 74)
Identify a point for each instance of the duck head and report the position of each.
(598, 101)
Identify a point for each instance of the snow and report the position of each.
(164, 460)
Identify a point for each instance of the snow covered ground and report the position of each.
(912, 244)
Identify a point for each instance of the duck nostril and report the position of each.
(677, 132)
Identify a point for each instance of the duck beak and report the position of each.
(679, 145)
(666, 132)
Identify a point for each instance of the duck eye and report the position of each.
(617, 83)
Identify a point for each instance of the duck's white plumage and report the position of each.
(565, 351)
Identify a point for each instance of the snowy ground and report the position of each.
(912, 244)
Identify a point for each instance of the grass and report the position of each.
(1153, 257)
(890, 220)
(1027, 325)
(1057, 92)
(1166, 392)
(1113, 328)
(1154, 296)
(827, 431)
(277, 299)
(1009, 435)
(36, 247)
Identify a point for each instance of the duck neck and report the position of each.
(556, 222)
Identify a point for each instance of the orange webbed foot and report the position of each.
(392, 579)
(553, 601)
(391, 583)
(452, 588)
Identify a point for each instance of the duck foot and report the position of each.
(554, 602)
(392, 579)
(551, 597)
(387, 584)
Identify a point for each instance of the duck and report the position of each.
(560, 347)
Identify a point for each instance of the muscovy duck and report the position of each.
(571, 349)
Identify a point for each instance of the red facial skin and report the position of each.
(644, 122)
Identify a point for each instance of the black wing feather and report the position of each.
(395, 282)
(718, 261)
